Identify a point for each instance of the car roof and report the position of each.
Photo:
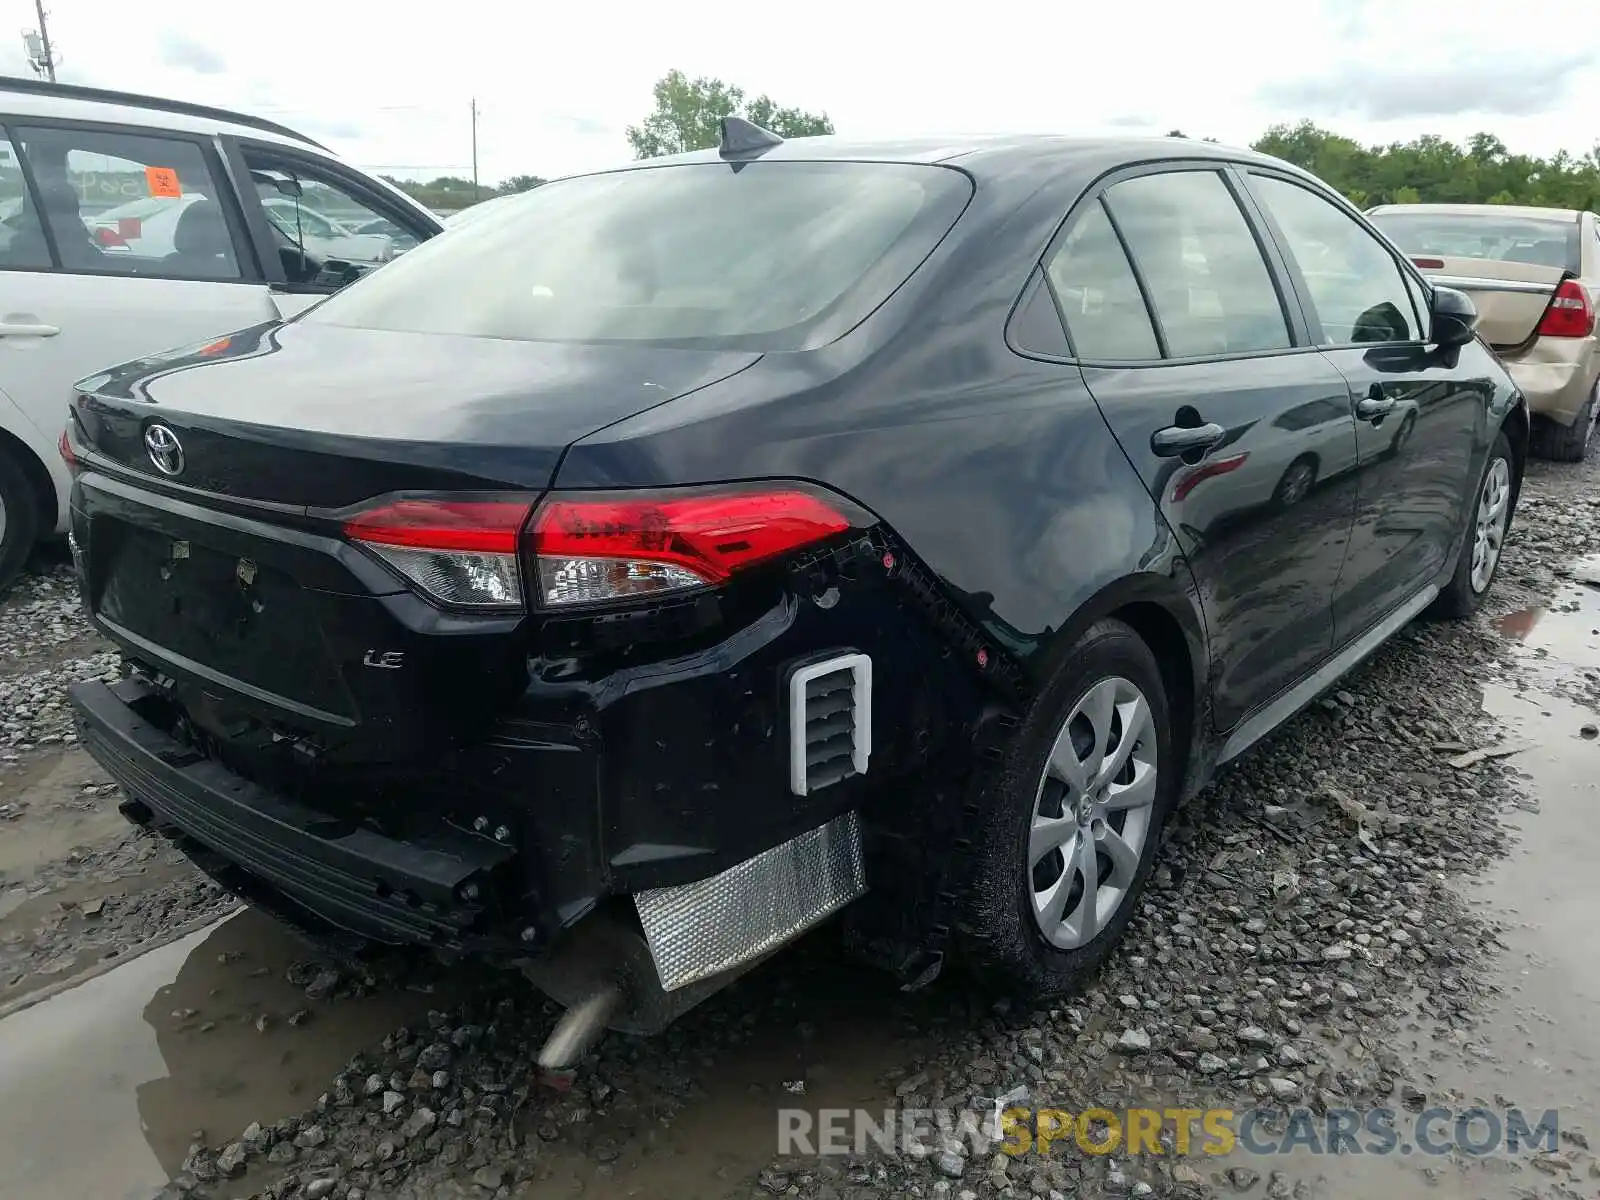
(39, 98)
(991, 154)
(1470, 210)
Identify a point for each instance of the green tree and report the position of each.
(1431, 169)
(687, 111)
(519, 183)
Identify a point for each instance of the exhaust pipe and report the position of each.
(580, 1027)
(603, 972)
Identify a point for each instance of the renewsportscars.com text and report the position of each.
(1165, 1131)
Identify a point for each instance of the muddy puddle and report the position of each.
(47, 814)
(1564, 632)
(105, 1085)
(1539, 1047)
(824, 1038)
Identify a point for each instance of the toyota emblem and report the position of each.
(165, 450)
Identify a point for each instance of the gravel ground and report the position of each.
(77, 882)
(1303, 915)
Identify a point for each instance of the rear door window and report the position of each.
(129, 204)
(755, 255)
(1208, 280)
(1099, 295)
(1359, 291)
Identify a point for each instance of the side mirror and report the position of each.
(1455, 318)
(284, 185)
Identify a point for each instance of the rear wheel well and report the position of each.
(38, 478)
(1518, 427)
(1161, 632)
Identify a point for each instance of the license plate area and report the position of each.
(238, 618)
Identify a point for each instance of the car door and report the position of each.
(81, 296)
(1418, 409)
(303, 209)
(1240, 432)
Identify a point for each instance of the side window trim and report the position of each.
(1089, 202)
(1162, 345)
(1422, 301)
(215, 162)
(1291, 265)
(262, 248)
(1036, 306)
(1403, 266)
(32, 187)
(1305, 326)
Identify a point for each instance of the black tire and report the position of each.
(19, 519)
(1460, 599)
(998, 936)
(1567, 443)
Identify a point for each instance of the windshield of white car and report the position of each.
(760, 255)
(1497, 237)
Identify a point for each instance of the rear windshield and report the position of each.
(1543, 241)
(760, 256)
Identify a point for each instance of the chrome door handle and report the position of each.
(1177, 440)
(1374, 406)
(28, 331)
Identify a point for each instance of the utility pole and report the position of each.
(474, 145)
(40, 56)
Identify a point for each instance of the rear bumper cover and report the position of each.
(357, 880)
(1557, 375)
(440, 891)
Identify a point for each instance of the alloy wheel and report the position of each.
(1296, 483)
(1494, 509)
(1092, 813)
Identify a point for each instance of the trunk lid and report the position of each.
(319, 416)
(282, 641)
(1511, 296)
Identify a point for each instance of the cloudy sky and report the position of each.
(388, 85)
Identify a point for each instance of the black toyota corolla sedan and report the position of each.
(626, 582)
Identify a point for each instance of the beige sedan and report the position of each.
(1534, 274)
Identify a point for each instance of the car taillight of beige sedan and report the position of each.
(1534, 274)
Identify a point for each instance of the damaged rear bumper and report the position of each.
(1557, 376)
(416, 892)
(452, 890)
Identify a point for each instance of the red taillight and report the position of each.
(619, 546)
(68, 454)
(461, 552)
(1209, 469)
(486, 526)
(1569, 313)
(1429, 264)
(595, 547)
